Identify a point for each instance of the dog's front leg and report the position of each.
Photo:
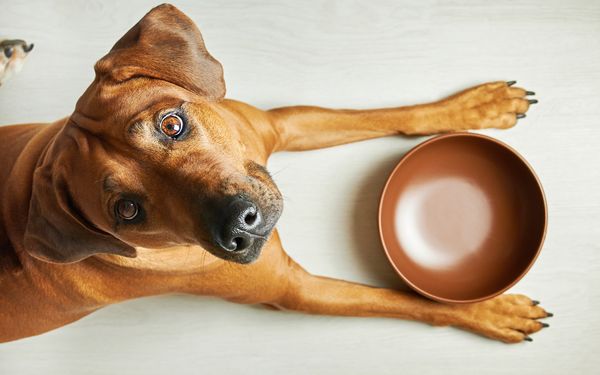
(509, 318)
(491, 105)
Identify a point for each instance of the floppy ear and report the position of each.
(57, 231)
(165, 44)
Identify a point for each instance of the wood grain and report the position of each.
(344, 54)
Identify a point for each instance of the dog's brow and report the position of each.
(109, 184)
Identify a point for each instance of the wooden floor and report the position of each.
(357, 54)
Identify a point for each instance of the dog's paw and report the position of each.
(510, 318)
(491, 105)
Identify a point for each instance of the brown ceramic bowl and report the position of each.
(462, 218)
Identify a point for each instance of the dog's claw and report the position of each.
(549, 315)
(545, 325)
(521, 115)
(527, 338)
(532, 101)
(534, 302)
(510, 83)
(529, 93)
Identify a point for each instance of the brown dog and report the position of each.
(156, 184)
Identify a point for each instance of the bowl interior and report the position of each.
(462, 218)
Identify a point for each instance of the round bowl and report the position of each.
(462, 218)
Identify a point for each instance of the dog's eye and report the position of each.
(8, 52)
(126, 209)
(171, 125)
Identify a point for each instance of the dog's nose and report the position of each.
(242, 219)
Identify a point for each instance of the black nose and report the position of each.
(242, 219)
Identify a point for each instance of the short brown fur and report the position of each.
(61, 256)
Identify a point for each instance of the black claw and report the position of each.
(534, 302)
(510, 83)
(529, 93)
(545, 325)
(521, 115)
(532, 101)
(527, 338)
(549, 315)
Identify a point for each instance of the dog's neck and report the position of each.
(172, 260)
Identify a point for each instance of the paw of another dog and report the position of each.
(13, 53)
(491, 105)
(510, 318)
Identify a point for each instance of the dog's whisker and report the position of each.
(273, 174)
(202, 259)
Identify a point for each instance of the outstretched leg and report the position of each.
(509, 318)
(491, 105)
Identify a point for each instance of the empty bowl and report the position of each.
(462, 218)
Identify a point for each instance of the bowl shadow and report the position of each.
(368, 250)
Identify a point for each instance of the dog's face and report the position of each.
(151, 159)
(12, 57)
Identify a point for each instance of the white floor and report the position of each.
(345, 54)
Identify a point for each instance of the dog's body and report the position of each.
(222, 205)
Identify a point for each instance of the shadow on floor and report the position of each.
(368, 251)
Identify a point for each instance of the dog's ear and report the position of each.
(57, 231)
(165, 44)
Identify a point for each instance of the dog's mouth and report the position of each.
(240, 252)
(245, 256)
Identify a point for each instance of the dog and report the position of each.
(13, 53)
(156, 184)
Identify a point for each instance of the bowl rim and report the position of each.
(438, 138)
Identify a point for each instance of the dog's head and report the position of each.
(12, 57)
(151, 159)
